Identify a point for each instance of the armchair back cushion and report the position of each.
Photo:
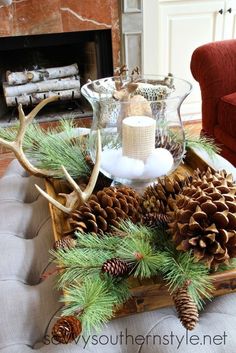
(213, 65)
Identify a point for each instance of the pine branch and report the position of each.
(137, 249)
(191, 139)
(78, 264)
(96, 298)
(137, 231)
(50, 149)
(203, 142)
(107, 242)
(180, 268)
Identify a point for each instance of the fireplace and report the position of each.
(91, 50)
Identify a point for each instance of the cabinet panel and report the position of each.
(184, 27)
(230, 20)
(181, 27)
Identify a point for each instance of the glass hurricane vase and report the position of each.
(139, 120)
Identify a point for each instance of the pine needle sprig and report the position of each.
(78, 264)
(119, 288)
(146, 262)
(137, 231)
(50, 149)
(205, 143)
(9, 133)
(191, 139)
(180, 268)
(96, 298)
(106, 242)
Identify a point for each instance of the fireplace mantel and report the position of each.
(31, 17)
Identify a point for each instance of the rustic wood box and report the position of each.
(148, 294)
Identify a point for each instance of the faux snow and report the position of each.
(159, 163)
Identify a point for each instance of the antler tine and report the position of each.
(84, 195)
(72, 183)
(40, 106)
(17, 145)
(53, 201)
(27, 119)
(77, 197)
(93, 178)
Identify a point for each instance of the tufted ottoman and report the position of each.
(29, 305)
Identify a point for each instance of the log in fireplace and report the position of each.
(90, 50)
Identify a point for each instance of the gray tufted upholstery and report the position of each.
(27, 303)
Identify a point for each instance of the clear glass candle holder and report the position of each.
(141, 129)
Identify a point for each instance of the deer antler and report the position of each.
(17, 145)
(77, 197)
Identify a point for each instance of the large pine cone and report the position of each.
(186, 308)
(106, 209)
(158, 198)
(66, 329)
(205, 218)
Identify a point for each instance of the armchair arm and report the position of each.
(213, 65)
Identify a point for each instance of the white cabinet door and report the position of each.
(182, 27)
(230, 19)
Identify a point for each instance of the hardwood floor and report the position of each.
(6, 157)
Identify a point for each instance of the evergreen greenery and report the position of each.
(191, 139)
(50, 149)
(203, 142)
(179, 267)
(79, 264)
(94, 301)
(93, 295)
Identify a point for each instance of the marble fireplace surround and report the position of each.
(29, 17)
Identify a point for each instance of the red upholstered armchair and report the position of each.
(213, 65)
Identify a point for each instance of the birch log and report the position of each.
(17, 78)
(35, 98)
(43, 86)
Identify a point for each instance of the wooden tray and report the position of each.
(148, 294)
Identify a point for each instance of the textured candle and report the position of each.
(138, 137)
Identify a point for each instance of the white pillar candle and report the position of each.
(138, 137)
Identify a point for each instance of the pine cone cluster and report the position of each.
(66, 329)
(106, 209)
(115, 267)
(186, 308)
(205, 218)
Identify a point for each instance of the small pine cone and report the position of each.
(173, 146)
(66, 329)
(186, 308)
(66, 243)
(106, 209)
(115, 267)
(156, 219)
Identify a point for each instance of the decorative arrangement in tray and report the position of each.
(182, 228)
